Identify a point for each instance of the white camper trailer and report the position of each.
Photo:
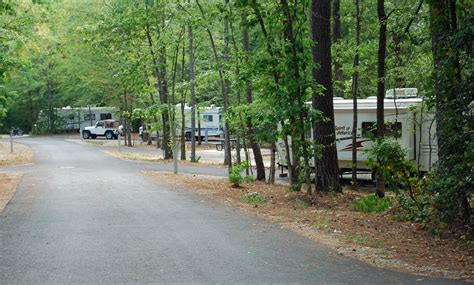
(415, 130)
(75, 119)
(210, 121)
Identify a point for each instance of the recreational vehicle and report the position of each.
(405, 121)
(209, 119)
(75, 119)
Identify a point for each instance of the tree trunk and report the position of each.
(355, 83)
(324, 132)
(183, 102)
(336, 36)
(450, 99)
(228, 157)
(193, 94)
(257, 154)
(225, 92)
(380, 191)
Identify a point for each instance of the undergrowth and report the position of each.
(371, 204)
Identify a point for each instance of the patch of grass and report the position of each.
(364, 240)
(253, 198)
(300, 203)
(321, 223)
(249, 179)
(371, 204)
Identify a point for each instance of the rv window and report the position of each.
(207, 118)
(88, 117)
(105, 116)
(369, 129)
(393, 129)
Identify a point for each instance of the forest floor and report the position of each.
(9, 180)
(328, 220)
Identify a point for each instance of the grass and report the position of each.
(363, 240)
(321, 223)
(371, 204)
(253, 198)
(300, 203)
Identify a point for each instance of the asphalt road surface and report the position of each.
(81, 216)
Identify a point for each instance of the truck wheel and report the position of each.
(187, 136)
(93, 136)
(219, 147)
(109, 135)
(86, 135)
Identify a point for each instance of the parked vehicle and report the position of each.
(74, 119)
(413, 129)
(106, 128)
(209, 118)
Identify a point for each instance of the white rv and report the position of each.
(415, 130)
(75, 119)
(210, 121)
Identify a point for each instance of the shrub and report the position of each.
(235, 175)
(372, 204)
(253, 198)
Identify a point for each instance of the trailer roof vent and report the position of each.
(372, 97)
(401, 93)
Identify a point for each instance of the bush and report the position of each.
(235, 175)
(372, 204)
(253, 198)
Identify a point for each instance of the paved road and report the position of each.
(80, 216)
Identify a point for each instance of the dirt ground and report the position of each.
(136, 142)
(8, 184)
(328, 219)
(9, 180)
(157, 158)
(21, 154)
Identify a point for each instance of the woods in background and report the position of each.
(263, 61)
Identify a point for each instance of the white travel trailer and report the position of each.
(415, 130)
(210, 121)
(75, 119)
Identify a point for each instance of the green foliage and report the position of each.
(363, 240)
(301, 203)
(235, 175)
(253, 198)
(372, 204)
(249, 179)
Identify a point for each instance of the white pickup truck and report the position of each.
(107, 128)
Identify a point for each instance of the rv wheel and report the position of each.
(86, 135)
(187, 136)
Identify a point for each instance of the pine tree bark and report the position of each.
(225, 95)
(336, 36)
(380, 190)
(355, 85)
(249, 99)
(448, 97)
(324, 132)
(193, 93)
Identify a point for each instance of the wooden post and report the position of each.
(11, 142)
(119, 142)
(175, 159)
